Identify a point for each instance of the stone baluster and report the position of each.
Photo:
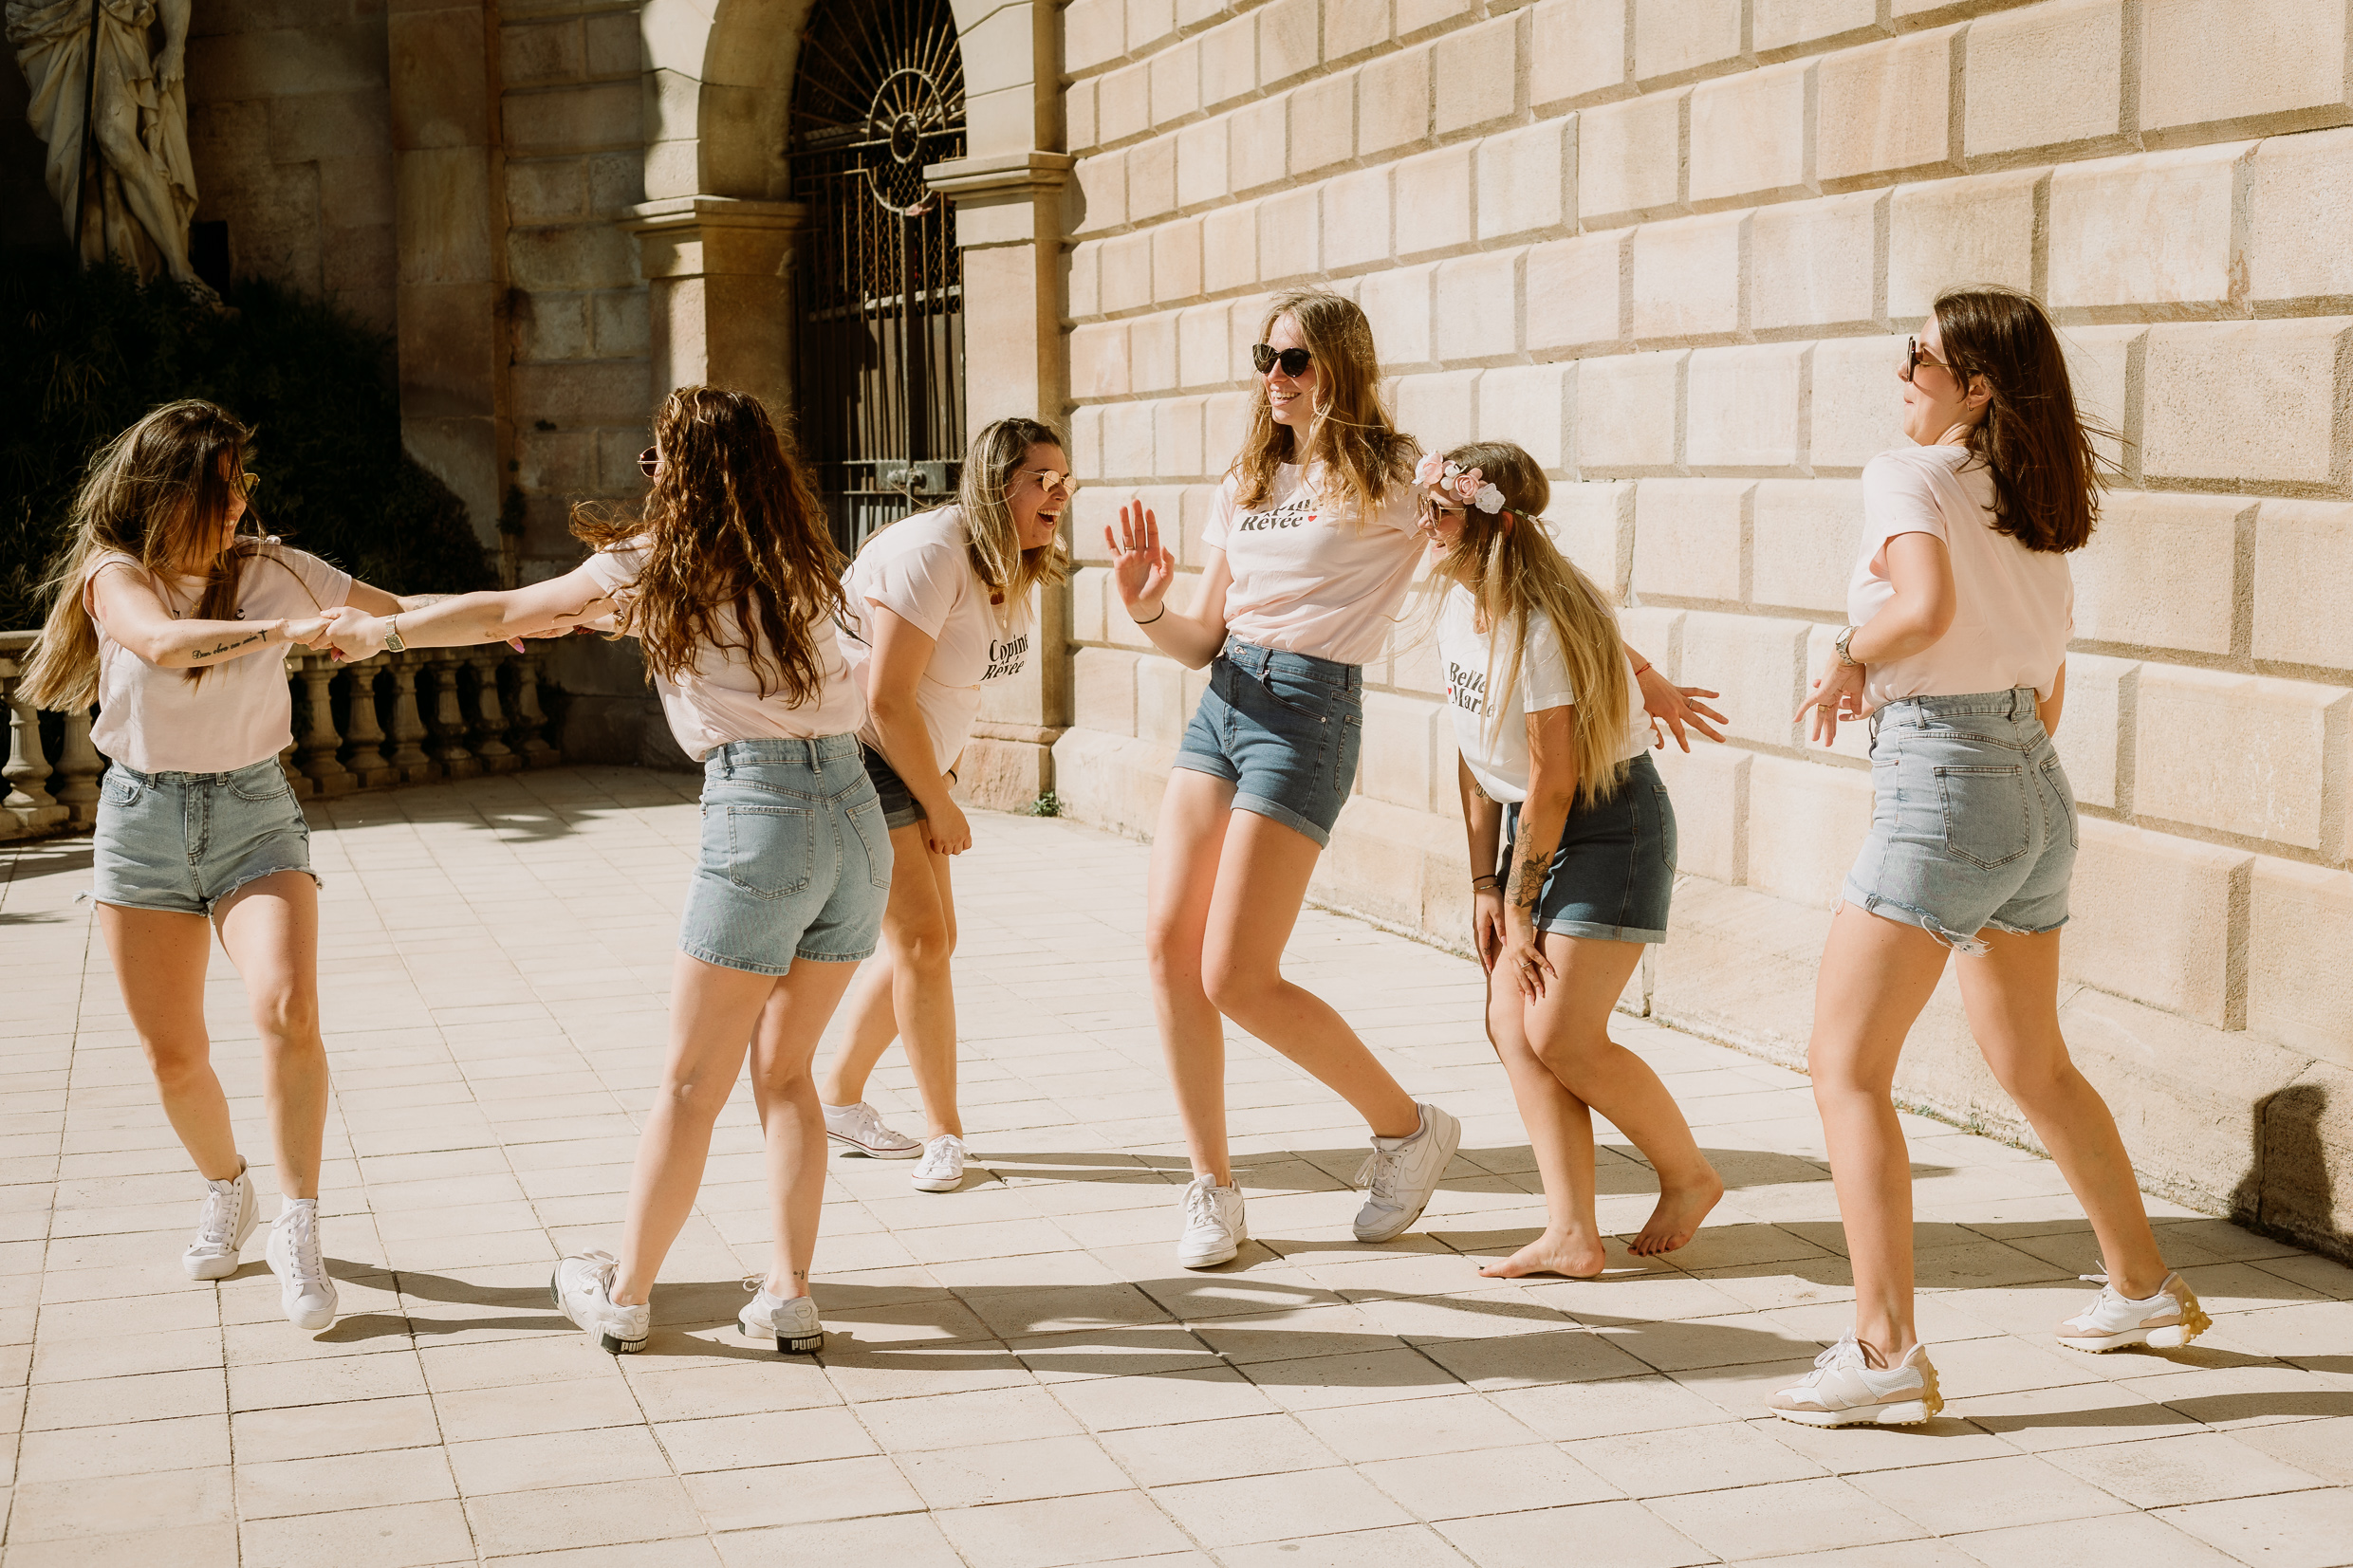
(408, 758)
(286, 753)
(530, 721)
(369, 770)
(489, 727)
(28, 769)
(78, 768)
(319, 742)
(448, 722)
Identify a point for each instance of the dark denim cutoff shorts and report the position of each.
(1614, 875)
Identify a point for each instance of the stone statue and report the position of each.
(119, 168)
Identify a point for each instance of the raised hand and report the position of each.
(1675, 707)
(1838, 695)
(1142, 568)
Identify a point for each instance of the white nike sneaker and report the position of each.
(860, 1128)
(789, 1321)
(941, 1169)
(1214, 1229)
(1400, 1173)
(231, 1212)
(582, 1287)
(2166, 1320)
(304, 1289)
(1844, 1390)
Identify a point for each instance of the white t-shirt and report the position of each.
(2014, 607)
(718, 699)
(1311, 579)
(154, 720)
(1493, 737)
(920, 569)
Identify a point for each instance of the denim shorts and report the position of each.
(1614, 873)
(1284, 730)
(795, 861)
(1972, 820)
(899, 806)
(181, 843)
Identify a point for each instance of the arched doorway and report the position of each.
(877, 94)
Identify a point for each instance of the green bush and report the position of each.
(87, 353)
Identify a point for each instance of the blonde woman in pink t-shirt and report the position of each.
(1961, 607)
(178, 624)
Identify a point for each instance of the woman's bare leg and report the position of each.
(269, 928)
(159, 961)
(797, 1012)
(1560, 1130)
(908, 988)
(1186, 843)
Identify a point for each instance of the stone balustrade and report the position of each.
(414, 717)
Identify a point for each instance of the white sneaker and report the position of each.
(230, 1215)
(2166, 1320)
(1844, 1390)
(860, 1128)
(1400, 1173)
(791, 1322)
(582, 1287)
(304, 1289)
(941, 1169)
(1214, 1229)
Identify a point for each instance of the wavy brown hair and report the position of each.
(2046, 474)
(158, 493)
(732, 522)
(1351, 435)
(992, 464)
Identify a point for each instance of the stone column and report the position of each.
(367, 764)
(448, 723)
(78, 768)
(490, 722)
(319, 740)
(28, 769)
(530, 721)
(408, 727)
(722, 301)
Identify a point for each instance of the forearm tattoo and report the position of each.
(199, 654)
(1528, 874)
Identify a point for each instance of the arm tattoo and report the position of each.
(418, 601)
(199, 654)
(1527, 875)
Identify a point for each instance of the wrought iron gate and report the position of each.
(879, 94)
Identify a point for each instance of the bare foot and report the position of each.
(1677, 1219)
(1551, 1253)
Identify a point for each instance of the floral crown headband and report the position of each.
(1466, 484)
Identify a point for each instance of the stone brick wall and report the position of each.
(1673, 247)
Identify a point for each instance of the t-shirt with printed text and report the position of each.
(1312, 578)
(1493, 736)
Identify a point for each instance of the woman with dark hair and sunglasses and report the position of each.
(937, 608)
(177, 623)
(728, 578)
(1960, 606)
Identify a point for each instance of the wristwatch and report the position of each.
(1844, 637)
(394, 645)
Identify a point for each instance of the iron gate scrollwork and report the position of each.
(878, 93)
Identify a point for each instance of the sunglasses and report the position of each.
(1914, 357)
(649, 460)
(1294, 361)
(1050, 480)
(245, 483)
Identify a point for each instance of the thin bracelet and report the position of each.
(1490, 877)
(1637, 674)
(1162, 614)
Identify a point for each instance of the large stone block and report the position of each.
(1097, 193)
(1629, 413)
(1225, 418)
(573, 120)
(1433, 193)
(1709, 786)
(1163, 707)
(1857, 410)
(1201, 163)
(1176, 84)
(1085, 428)
(2251, 66)
(1356, 218)
(2153, 232)
(2095, 725)
(1691, 539)
(1093, 31)
(1747, 135)
(1287, 35)
(1126, 261)
(1805, 822)
(1229, 62)
(2296, 206)
(1078, 115)
(1151, 178)
(1576, 291)
(1804, 537)
(1438, 410)
(1127, 441)
(1290, 237)
(1229, 248)
(1177, 261)
(1687, 277)
(1321, 115)
(1758, 663)
(1655, 632)
(1176, 451)
(1089, 588)
(1478, 305)
(547, 189)
(1256, 149)
(1630, 159)
(2304, 558)
(1815, 264)
(1203, 340)
(2160, 920)
(1523, 179)
(1350, 31)
(1475, 70)
(1777, 24)
(1398, 745)
(2243, 754)
(1593, 522)
(2253, 400)
(2161, 571)
(1745, 407)
(1578, 50)
(1886, 109)
(2101, 362)
(1397, 303)
(1980, 229)
(1532, 405)
(604, 391)
(1678, 37)
(1392, 101)
(1123, 105)
(2300, 958)
(2049, 77)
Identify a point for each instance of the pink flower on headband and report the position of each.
(1430, 470)
(1467, 484)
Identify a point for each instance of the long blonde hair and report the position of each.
(1511, 567)
(1362, 454)
(991, 463)
(157, 493)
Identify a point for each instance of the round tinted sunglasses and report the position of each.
(1050, 480)
(1294, 361)
(649, 460)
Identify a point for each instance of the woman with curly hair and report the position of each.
(731, 581)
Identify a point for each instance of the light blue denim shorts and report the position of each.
(1284, 730)
(795, 860)
(181, 843)
(1972, 822)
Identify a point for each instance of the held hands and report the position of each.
(1142, 568)
(354, 634)
(310, 631)
(1672, 707)
(1838, 695)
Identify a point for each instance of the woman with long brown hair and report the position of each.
(940, 607)
(728, 578)
(1960, 606)
(177, 623)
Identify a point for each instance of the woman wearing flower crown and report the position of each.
(1555, 762)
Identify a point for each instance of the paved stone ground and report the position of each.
(1018, 1378)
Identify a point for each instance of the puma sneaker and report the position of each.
(858, 1128)
(1844, 1390)
(1215, 1229)
(2166, 1320)
(941, 1169)
(790, 1322)
(305, 1292)
(583, 1289)
(229, 1214)
(1400, 1173)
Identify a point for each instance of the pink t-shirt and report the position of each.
(720, 699)
(154, 720)
(1314, 579)
(2016, 607)
(920, 569)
